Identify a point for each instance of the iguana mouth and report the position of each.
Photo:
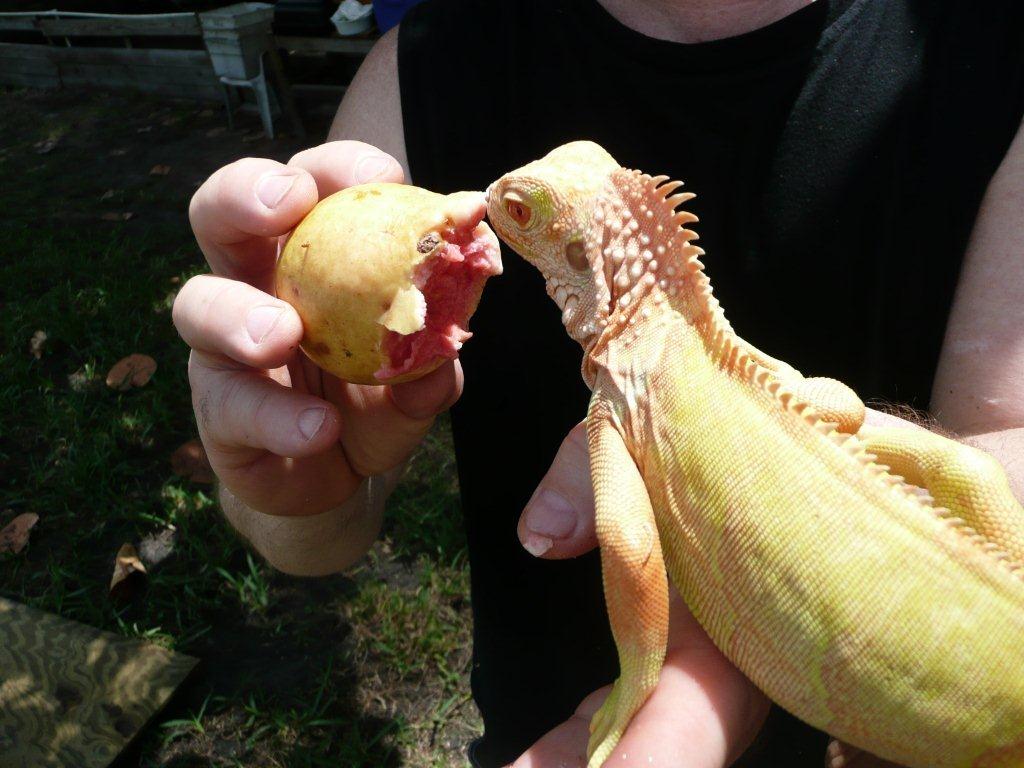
(449, 282)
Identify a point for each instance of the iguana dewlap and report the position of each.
(891, 618)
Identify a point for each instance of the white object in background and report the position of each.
(352, 17)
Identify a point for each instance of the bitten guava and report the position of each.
(385, 278)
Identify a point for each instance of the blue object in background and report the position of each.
(390, 12)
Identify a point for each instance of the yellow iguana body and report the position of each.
(890, 616)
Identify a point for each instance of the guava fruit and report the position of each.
(385, 278)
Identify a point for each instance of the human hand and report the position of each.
(703, 712)
(282, 435)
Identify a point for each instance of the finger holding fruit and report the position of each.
(284, 436)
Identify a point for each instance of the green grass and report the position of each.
(365, 668)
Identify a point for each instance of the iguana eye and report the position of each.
(576, 255)
(518, 210)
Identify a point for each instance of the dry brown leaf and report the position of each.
(129, 573)
(108, 194)
(190, 461)
(14, 535)
(118, 152)
(35, 344)
(80, 381)
(159, 170)
(175, 279)
(46, 145)
(132, 371)
(113, 216)
(144, 129)
(157, 547)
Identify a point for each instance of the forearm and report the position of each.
(315, 545)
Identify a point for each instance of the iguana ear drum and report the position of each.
(576, 255)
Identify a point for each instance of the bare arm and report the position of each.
(979, 386)
(372, 108)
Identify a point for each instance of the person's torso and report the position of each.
(839, 157)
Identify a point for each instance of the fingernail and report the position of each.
(271, 189)
(550, 514)
(371, 166)
(536, 545)
(310, 421)
(261, 321)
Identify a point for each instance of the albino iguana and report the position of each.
(888, 612)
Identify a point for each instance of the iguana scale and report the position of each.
(866, 579)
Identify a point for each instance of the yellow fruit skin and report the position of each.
(352, 256)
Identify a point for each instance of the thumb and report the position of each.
(558, 521)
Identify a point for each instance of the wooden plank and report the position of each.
(26, 64)
(184, 25)
(30, 79)
(18, 22)
(39, 65)
(18, 51)
(355, 46)
(107, 75)
(157, 57)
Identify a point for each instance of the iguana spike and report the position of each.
(669, 187)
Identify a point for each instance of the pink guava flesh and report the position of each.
(451, 281)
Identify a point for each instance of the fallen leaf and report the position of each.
(157, 547)
(80, 380)
(159, 170)
(113, 216)
(254, 136)
(172, 120)
(129, 573)
(205, 113)
(108, 194)
(190, 461)
(132, 371)
(118, 152)
(218, 131)
(35, 345)
(175, 279)
(144, 129)
(14, 535)
(46, 145)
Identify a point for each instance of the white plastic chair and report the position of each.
(258, 85)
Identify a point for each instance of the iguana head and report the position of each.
(545, 211)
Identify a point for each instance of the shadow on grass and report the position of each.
(340, 671)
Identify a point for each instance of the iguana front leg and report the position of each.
(833, 400)
(635, 582)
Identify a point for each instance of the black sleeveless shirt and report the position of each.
(839, 157)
